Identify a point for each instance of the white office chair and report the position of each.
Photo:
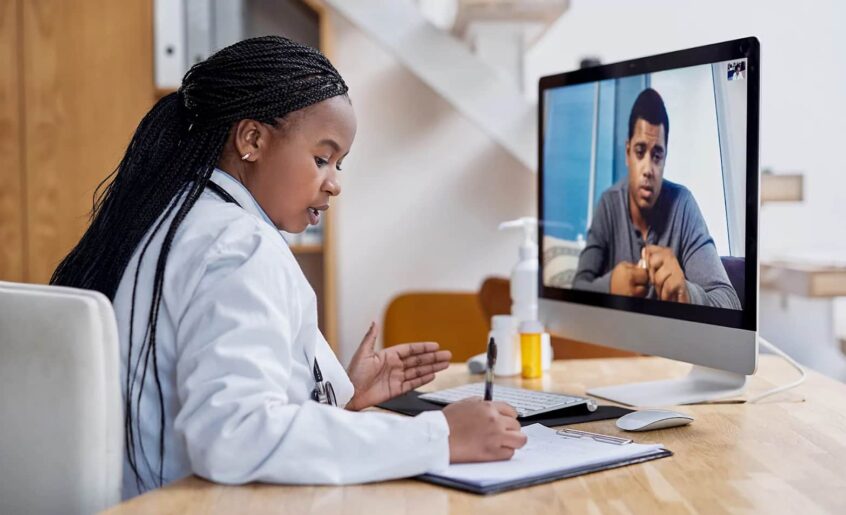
(61, 416)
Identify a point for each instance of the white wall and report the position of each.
(803, 121)
(424, 189)
(693, 148)
(423, 192)
(731, 98)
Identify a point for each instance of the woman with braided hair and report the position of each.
(225, 373)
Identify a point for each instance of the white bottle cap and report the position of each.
(531, 327)
(503, 323)
(546, 352)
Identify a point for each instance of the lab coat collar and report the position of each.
(240, 193)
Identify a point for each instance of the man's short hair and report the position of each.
(650, 106)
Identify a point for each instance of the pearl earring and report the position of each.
(245, 156)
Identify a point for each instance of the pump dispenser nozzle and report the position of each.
(529, 247)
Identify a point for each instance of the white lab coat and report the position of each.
(237, 335)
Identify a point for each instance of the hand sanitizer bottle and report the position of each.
(524, 276)
(524, 281)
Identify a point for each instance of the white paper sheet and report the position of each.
(545, 452)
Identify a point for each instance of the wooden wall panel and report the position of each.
(329, 313)
(88, 75)
(12, 245)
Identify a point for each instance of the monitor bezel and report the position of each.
(748, 48)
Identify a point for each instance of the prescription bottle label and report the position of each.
(530, 354)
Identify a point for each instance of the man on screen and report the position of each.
(648, 238)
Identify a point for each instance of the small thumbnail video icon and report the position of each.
(737, 70)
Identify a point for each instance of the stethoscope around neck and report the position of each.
(323, 391)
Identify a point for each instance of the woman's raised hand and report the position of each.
(379, 376)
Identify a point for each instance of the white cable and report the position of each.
(787, 358)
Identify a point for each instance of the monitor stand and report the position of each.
(701, 384)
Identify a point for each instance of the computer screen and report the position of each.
(646, 203)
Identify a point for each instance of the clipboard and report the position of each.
(558, 455)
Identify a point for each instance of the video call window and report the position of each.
(645, 185)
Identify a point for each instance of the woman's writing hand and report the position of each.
(482, 431)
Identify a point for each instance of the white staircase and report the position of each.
(475, 88)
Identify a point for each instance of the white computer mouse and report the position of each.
(649, 419)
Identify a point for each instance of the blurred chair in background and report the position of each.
(453, 319)
(495, 298)
(736, 271)
(61, 435)
(460, 322)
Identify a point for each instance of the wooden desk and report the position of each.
(780, 456)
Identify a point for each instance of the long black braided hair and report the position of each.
(167, 166)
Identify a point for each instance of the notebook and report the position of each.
(547, 456)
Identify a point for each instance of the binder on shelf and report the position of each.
(169, 43)
(312, 237)
(199, 30)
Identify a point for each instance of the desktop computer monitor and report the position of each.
(648, 214)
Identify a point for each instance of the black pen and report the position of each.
(489, 373)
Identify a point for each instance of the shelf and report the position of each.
(782, 187)
(163, 92)
(306, 249)
(807, 280)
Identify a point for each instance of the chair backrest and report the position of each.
(736, 271)
(61, 422)
(453, 319)
(495, 299)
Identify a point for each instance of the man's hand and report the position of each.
(666, 274)
(379, 376)
(630, 280)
